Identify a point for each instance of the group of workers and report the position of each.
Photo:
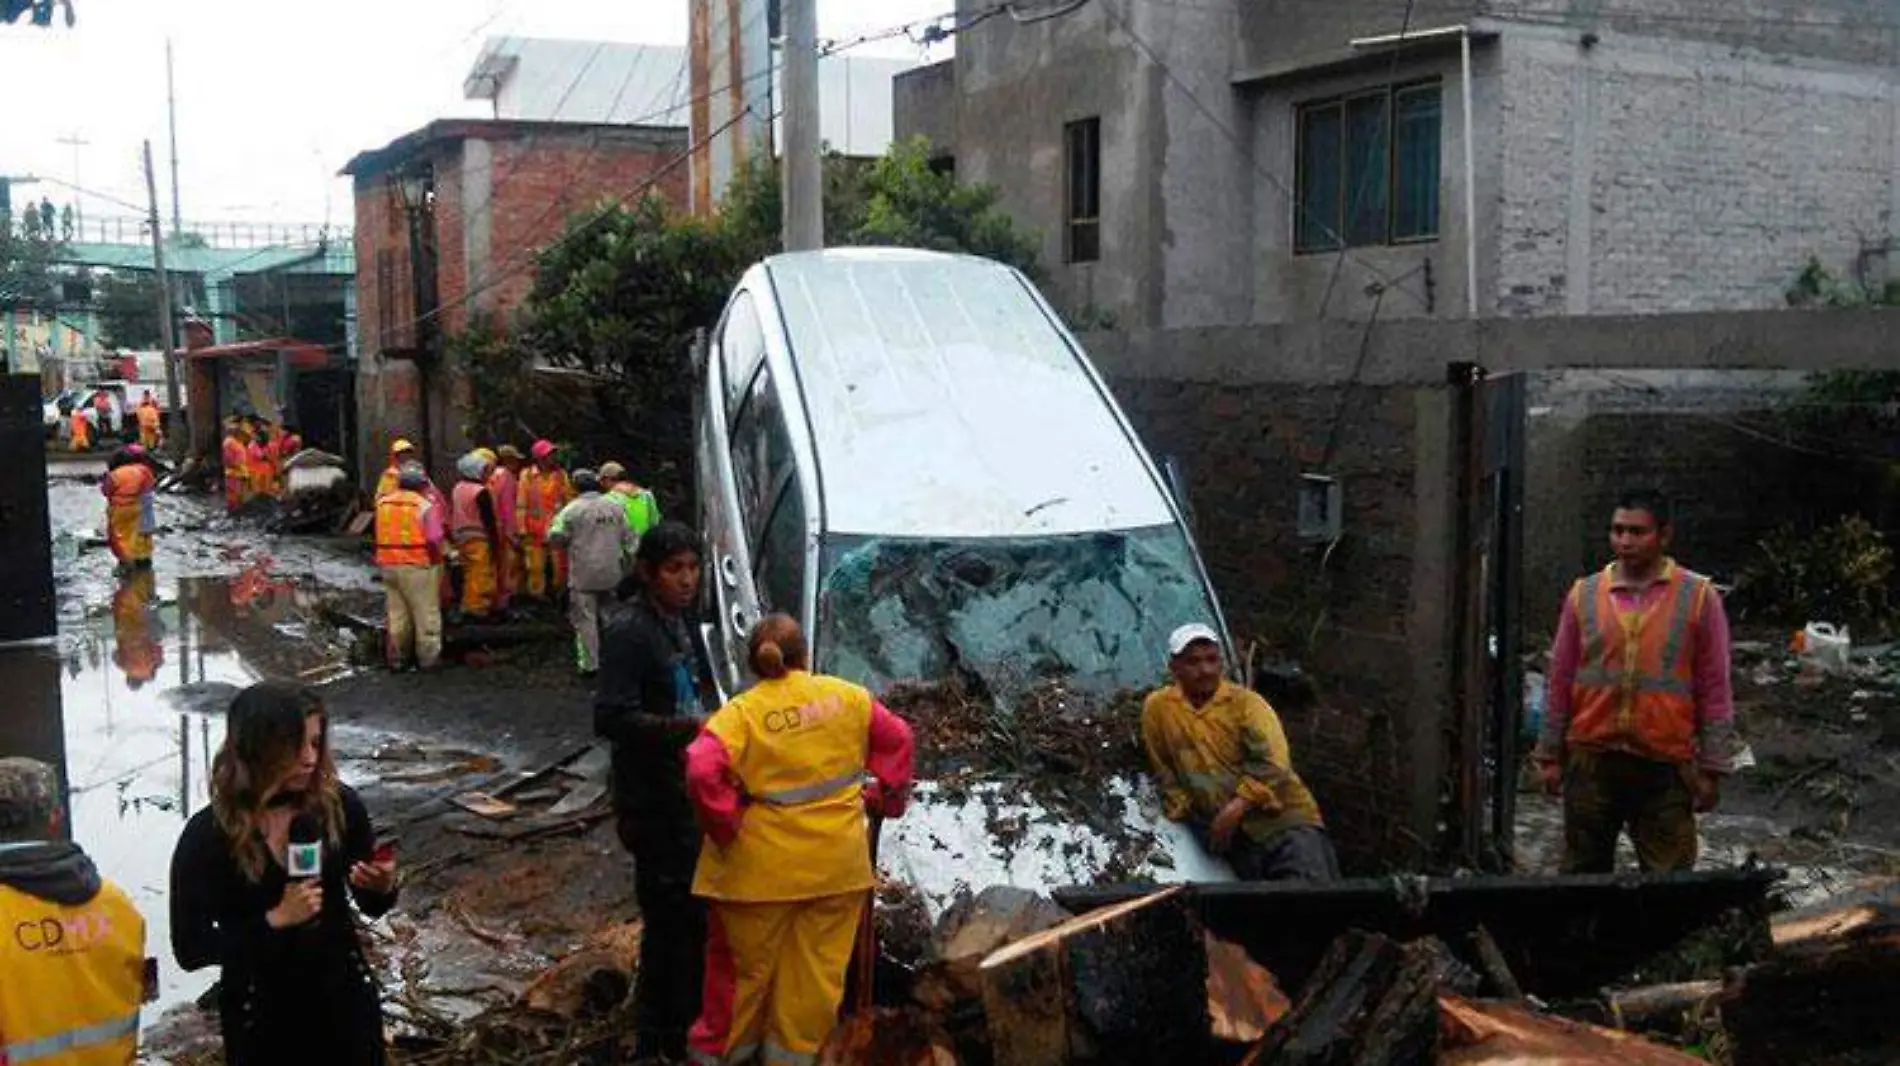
(255, 455)
(512, 526)
(96, 423)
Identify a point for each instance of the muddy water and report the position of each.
(128, 702)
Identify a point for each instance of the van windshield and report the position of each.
(1092, 608)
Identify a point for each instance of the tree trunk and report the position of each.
(1829, 995)
(1372, 1002)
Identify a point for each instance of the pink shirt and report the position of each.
(432, 529)
(1712, 690)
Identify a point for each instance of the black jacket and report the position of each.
(57, 873)
(648, 703)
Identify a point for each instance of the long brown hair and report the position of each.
(262, 738)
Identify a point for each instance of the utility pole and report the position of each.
(76, 142)
(171, 112)
(804, 184)
(173, 406)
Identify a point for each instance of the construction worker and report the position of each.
(401, 452)
(74, 949)
(643, 511)
(778, 778)
(136, 648)
(235, 456)
(285, 448)
(81, 424)
(647, 704)
(409, 544)
(599, 544)
(1221, 762)
(504, 464)
(103, 421)
(543, 491)
(1639, 718)
(151, 421)
(260, 462)
(128, 486)
(474, 529)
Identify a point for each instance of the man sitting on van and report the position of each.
(1221, 761)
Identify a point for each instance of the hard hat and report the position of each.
(401, 444)
(486, 455)
(542, 449)
(611, 472)
(508, 451)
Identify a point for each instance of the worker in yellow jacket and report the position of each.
(1221, 761)
(778, 780)
(72, 962)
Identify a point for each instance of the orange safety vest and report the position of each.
(501, 490)
(543, 494)
(465, 512)
(401, 538)
(82, 429)
(75, 976)
(149, 416)
(797, 745)
(1635, 685)
(129, 482)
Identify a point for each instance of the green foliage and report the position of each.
(26, 266)
(1840, 573)
(1817, 286)
(499, 369)
(127, 305)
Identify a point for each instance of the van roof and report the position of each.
(945, 401)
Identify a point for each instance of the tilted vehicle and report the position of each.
(909, 453)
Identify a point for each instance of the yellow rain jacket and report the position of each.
(73, 979)
(1233, 746)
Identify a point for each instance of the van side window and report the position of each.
(741, 348)
(761, 452)
(780, 573)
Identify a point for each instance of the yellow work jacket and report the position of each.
(797, 747)
(1233, 746)
(71, 979)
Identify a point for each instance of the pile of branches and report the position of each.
(517, 1035)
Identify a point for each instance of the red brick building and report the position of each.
(461, 206)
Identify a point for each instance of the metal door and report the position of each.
(26, 538)
(1487, 668)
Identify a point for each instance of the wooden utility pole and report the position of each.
(804, 183)
(173, 406)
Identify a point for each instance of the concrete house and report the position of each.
(1195, 164)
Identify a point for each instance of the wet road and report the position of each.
(128, 702)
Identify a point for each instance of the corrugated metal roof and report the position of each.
(945, 402)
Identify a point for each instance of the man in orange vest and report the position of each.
(81, 430)
(472, 527)
(287, 445)
(74, 949)
(128, 485)
(544, 490)
(409, 538)
(150, 419)
(236, 458)
(503, 484)
(1639, 725)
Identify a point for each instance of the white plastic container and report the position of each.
(1825, 647)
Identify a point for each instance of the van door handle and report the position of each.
(729, 570)
(738, 621)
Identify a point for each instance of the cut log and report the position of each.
(1822, 998)
(1120, 985)
(1243, 999)
(971, 930)
(1659, 1005)
(1371, 1002)
(1500, 1033)
(1496, 971)
(591, 981)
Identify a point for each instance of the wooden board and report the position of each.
(1511, 1034)
(1118, 986)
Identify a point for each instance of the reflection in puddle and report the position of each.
(130, 710)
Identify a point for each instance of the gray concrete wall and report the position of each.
(1650, 174)
(1276, 35)
(1849, 31)
(924, 104)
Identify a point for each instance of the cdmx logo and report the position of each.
(64, 936)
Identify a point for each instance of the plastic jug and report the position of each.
(1824, 646)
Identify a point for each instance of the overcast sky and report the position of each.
(274, 96)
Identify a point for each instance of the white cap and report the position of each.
(1192, 633)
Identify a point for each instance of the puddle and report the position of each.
(129, 702)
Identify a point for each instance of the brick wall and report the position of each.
(1243, 448)
(1652, 174)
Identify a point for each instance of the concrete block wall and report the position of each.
(1651, 174)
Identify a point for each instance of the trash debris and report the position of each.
(591, 981)
(1823, 647)
(483, 804)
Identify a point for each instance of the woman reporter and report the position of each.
(295, 986)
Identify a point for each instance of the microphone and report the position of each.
(305, 860)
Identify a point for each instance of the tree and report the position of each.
(128, 310)
(27, 280)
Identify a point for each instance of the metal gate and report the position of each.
(26, 538)
(1487, 668)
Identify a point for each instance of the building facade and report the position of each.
(1257, 161)
(449, 219)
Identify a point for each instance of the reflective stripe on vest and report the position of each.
(465, 512)
(400, 539)
(1634, 688)
(72, 1039)
(787, 797)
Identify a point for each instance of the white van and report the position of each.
(907, 452)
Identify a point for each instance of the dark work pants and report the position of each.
(1606, 792)
(1301, 854)
(673, 930)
